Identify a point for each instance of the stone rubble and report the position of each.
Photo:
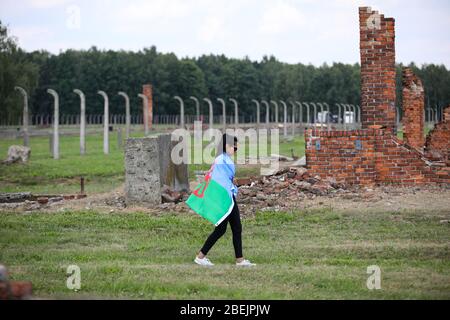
(291, 187)
(17, 153)
(281, 189)
(26, 201)
(285, 188)
(169, 195)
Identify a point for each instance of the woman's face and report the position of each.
(230, 149)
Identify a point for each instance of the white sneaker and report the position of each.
(203, 262)
(245, 263)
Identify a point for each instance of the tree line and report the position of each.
(213, 76)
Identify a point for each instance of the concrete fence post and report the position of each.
(276, 111)
(181, 110)
(284, 118)
(258, 113)
(211, 120)
(25, 116)
(267, 112)
(197, 106)
(236, 112)
(127, 113)
(105, 121)
(55, 148)
(82, 120)
(293, 118)
(145, 100)
(224, 114)
(308, 113)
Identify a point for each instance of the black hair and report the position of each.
(227, 140)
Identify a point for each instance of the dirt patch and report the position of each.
(380, 199)
(432, 199)
(289, 188)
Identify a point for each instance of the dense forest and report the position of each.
(205, 76)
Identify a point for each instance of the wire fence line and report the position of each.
(431, 116)
(97, 119)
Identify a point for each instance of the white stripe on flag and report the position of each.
(226, 214)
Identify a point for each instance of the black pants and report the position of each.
(236, 227)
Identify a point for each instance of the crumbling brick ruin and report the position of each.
(437, 143)
(374, 154)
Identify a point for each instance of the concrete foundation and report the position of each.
(148, 167)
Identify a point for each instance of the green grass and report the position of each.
(45, 175)
(102, 172)
(300, 255)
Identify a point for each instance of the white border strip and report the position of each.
(226, 214)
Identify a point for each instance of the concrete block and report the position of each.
(142, 171)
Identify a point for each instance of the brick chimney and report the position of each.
(147, 90)
(377, 49)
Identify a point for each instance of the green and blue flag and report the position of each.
(213, 198)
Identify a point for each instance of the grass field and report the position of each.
(300, 255)
(102, 172)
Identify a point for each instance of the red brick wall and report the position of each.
(377, 50)
(337, 155)
(437, 144)
(381, 159)
(396, 162)
(147, 90)
(413, 109)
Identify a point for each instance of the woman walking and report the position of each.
(223, 172)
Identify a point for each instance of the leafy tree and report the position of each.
(213, 76)
(16, 70)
